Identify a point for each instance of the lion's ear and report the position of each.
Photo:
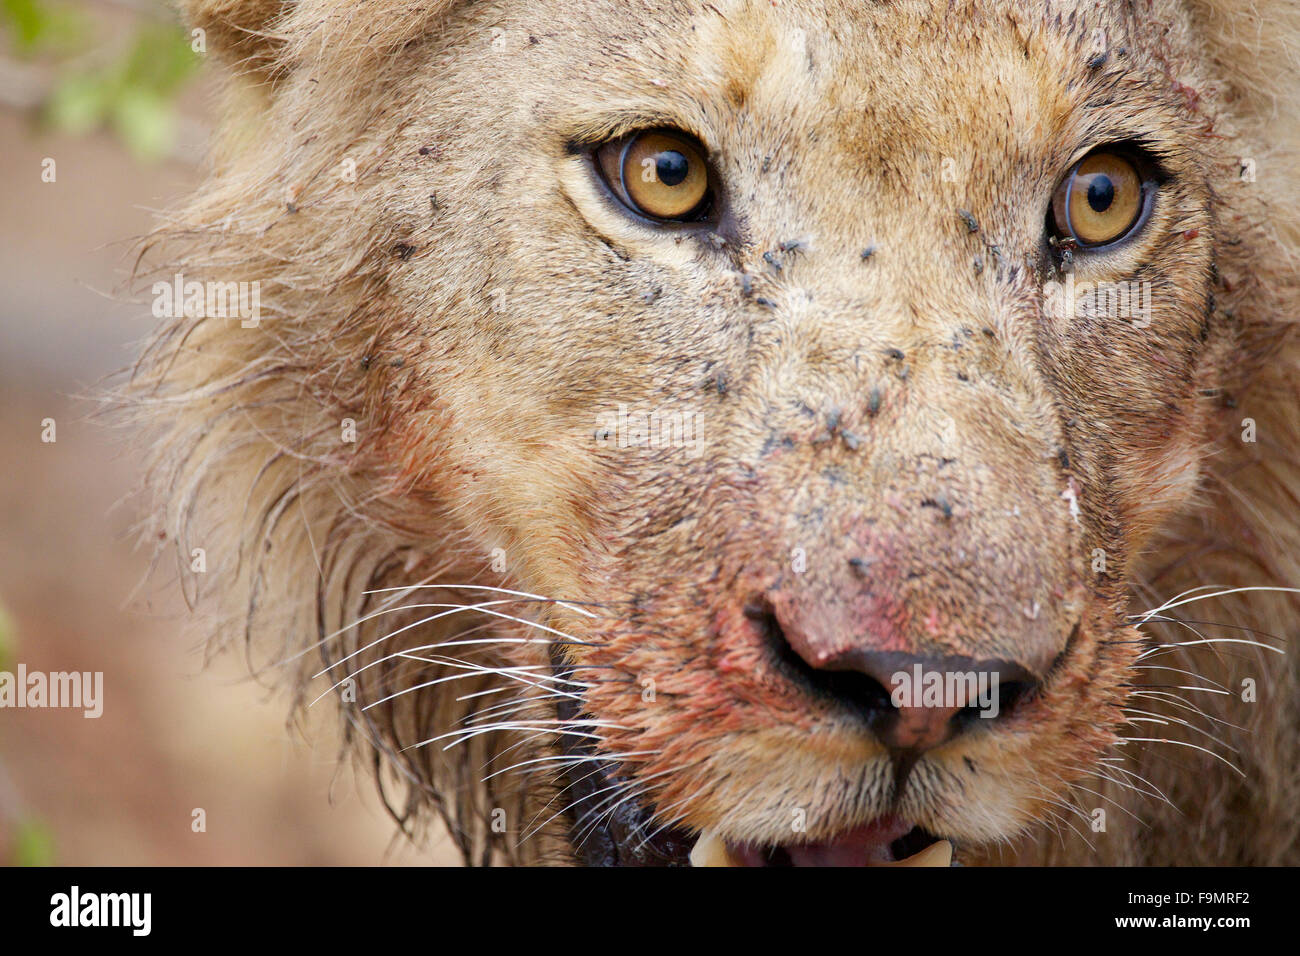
(243, 32)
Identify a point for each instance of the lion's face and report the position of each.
(767, 330)
(760, 427)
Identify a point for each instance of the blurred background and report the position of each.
(104, 112)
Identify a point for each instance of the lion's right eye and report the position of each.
(1101, 201)
(659, 174)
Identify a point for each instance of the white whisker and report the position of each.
(1180, 601)
(1183, 743)
(483, 587)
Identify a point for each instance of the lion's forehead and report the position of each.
(910, 75)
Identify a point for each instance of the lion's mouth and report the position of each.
(885, 842)
(625, 834)
(623, 831)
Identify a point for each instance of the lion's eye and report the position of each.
(1100, 201)
(661, 174)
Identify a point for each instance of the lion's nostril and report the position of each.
(1012, 692)
(861, 691)
(911, 703)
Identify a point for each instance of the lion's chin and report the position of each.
(889, 841)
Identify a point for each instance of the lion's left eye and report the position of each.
(1101, 201)
(660, 174)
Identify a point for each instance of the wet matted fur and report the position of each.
(409, 185)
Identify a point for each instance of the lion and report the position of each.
(636, 397)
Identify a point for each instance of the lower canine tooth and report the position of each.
(710, 850)
(936, 854)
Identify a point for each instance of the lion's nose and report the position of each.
(912, 703)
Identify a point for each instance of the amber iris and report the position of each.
(661, 174)
(1100, 201)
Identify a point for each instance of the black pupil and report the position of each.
(1101, 192)
(671, 167)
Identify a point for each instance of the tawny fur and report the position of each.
(437, 266)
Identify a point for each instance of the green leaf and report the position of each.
(79, 103)
(38, 26)
(160, 60)
(33, 844)
(8, 642)
(145, 122)
(25, 21)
